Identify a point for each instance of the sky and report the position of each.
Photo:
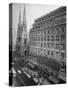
(33, 11)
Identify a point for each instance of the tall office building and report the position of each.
(48, 35)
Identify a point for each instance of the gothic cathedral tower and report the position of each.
(21, 43)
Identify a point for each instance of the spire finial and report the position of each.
(19, 17)
(24, 19)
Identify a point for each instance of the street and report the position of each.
(21, 77)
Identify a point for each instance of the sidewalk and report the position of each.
(46, 82)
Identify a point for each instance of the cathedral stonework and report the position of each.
(21, 41)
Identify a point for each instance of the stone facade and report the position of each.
(48, 35)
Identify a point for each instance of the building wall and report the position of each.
(48, 35)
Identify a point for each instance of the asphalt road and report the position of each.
(21, 79)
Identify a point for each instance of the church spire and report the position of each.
(19, 22)
(19, 33)
(24, 26)
(21, 45)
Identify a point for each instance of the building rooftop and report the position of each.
(52, 13)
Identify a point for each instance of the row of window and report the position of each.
(48, 38)
(49, 52)
(49, 45)
(57, 53)
(50, 22)
(51, 31)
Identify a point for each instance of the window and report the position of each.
(52, 53)
(44, 38)
(57, 54)
(41, 38)
(44, 44)
(44, 32)
(62, 29)
(38, 38)
(52, 38)
(62, 37)
(52, 45)
(34, 38)
(48, 52)
(41, 49)
(48, 38)
(48, 44)
(62, 46)
(57, 37)
(38, 43)
(52, 31)
(44, 51)
(57, 46)
(48, 31)
(62, 55)
(41, 44)
(57, 30)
